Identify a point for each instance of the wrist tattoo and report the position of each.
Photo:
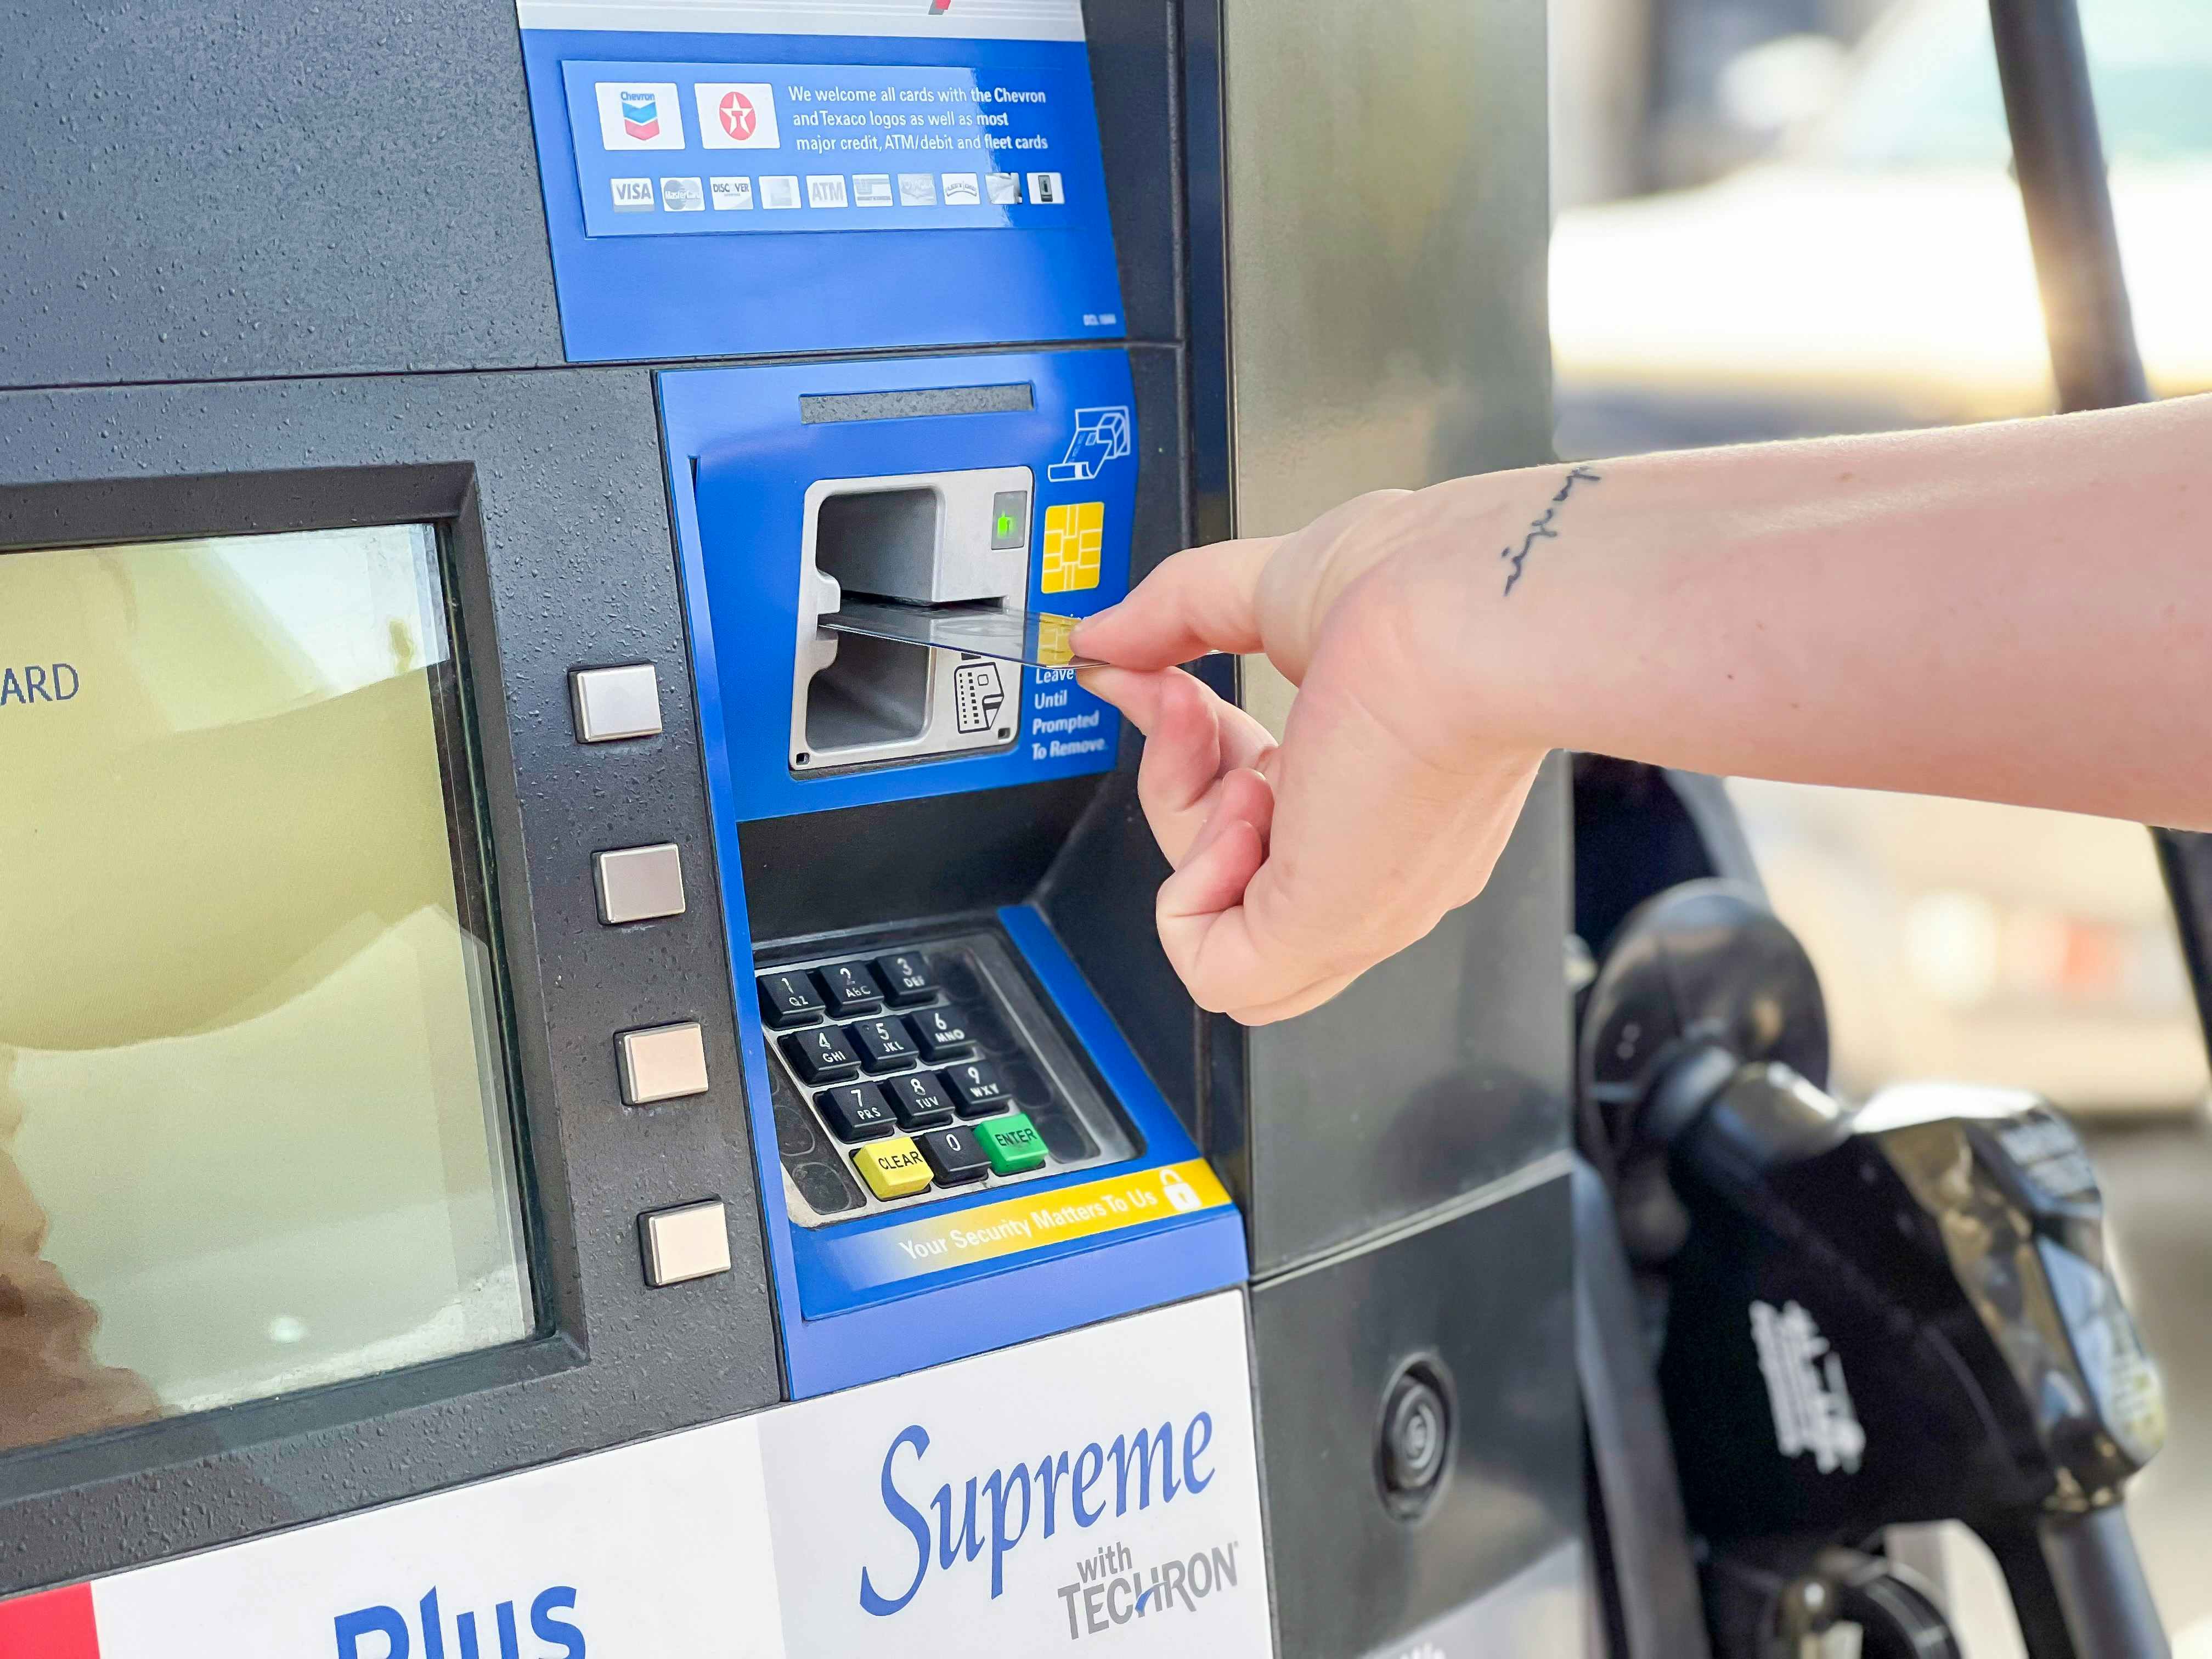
(1540, 530)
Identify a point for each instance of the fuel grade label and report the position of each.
(1097, 1488)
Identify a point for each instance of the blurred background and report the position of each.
(1783, 218)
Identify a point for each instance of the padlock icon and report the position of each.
(1181, 1196)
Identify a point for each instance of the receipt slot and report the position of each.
(585, 1067)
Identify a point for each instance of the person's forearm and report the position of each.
(2016, 612)
(2019, 612)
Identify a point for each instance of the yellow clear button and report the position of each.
(893, 1168)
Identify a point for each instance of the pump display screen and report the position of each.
(254, 1115)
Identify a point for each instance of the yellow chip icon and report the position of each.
(1055, 640)
(1074, 541)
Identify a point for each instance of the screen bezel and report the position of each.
(443, 498)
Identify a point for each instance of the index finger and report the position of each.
(1206, 598)
(1368, 846)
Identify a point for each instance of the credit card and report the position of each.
(1038, 638)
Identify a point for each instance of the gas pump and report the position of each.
(583, 1065)
(1898, 1314)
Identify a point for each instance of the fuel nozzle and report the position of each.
(1902, 1313)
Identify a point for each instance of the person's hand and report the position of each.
(1298, 866)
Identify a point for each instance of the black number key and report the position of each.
(857, 1112)
(822, 1056)
(884, 1044)
(905, 978)
(788, 999)
(979, 1089)
(943, 1034)
(851, 989)
(954, 1155)
(919, 1101)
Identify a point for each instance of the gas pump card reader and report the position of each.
(957, 1125)
(585, 1071)
(959, 1156)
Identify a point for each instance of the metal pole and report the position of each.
(2060, 158)
(2078, 1580)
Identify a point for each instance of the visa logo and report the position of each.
(998, 1509)
(640, 112)
(382, 1632)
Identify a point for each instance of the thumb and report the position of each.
(1201, 600)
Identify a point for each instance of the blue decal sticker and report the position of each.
(701, 190)
(769, 149)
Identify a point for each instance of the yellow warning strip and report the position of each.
(1015, 1224)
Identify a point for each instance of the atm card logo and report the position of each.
(737, 115)
(639, 115)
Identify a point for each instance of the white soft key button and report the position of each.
(692, 1242)
(638, 883)
(664, 1062)
(614, 703)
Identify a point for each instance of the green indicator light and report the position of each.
(1006, 524)
(1011, 1143)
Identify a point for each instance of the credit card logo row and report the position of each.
(834, 189)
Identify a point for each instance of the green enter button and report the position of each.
(1011, 1143)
